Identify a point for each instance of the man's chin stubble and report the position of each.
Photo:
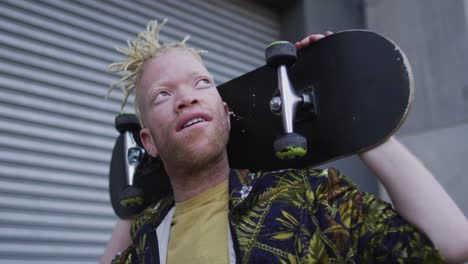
(193, 157)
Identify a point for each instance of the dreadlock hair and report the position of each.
(146, 47)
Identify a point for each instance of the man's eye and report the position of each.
(205, 82)
(161, 96)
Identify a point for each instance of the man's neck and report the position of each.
(188, 183)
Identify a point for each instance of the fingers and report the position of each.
(311, 39)
(308, 40)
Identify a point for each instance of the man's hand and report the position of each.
(311, 39)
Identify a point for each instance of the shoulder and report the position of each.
(311, 188)
(327, 183)
(330, 176)
(384, 234)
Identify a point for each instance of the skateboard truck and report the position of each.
(280, 55)
(129, 126)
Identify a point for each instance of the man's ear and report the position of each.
(228, 116)
(148, 142)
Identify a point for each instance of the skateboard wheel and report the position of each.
(131, 196)
(126, 122)
(280, 53)
(290, 146)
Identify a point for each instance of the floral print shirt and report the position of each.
(300, 216)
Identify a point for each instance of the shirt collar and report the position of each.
(241, 183)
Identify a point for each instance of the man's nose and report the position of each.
(185, 101)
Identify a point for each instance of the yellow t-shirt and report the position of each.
(199, 228)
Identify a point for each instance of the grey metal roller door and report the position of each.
(56, 129)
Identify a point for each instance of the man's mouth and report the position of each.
(193, 121)
(190, 119)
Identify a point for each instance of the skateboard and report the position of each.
(344, 94)
(127, 199)
(135, 179)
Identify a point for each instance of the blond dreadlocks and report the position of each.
(146, 47)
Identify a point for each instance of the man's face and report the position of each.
(186, 122)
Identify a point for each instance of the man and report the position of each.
(218, 215)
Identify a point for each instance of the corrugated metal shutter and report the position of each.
(56, 129)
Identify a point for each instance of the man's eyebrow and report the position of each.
(197, 73)
(191, 75)
(156, 84)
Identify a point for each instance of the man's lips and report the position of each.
(190, 119)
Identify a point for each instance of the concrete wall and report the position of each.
(316, 16)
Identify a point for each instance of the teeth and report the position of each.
(193, 121)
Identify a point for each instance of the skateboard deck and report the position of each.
(363, 89)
